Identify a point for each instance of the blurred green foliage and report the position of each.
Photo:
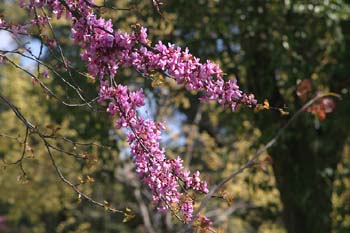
(269, 46)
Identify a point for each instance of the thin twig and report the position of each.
(33, 129)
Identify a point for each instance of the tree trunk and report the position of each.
(304, 165)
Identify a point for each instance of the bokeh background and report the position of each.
(283, 51)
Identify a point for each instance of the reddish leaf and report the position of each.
(303, 89)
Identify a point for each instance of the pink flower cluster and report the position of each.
(106, 50)
(59, 7)
(186, 69)
(160, 174)
(15, 29)
(2, 23)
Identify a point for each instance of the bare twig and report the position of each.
(192, 136)
(47, 89)
(144, 211)
(20, 160)
(105, 6)
(10, 137)
(34, 130)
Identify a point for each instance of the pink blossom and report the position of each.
(160, 174)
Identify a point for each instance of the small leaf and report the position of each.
(90, 179)
(228, 199)
(262, 166)
(268, 159)
(283, 113)
(304, 88)
(84, 155)
(81, 180)
(107, 205)
(128, 217)
(50, 126)
(29, 148)
(91, 161)
(266, 104)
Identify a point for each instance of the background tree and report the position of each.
(270, 47)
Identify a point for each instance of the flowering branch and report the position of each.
(106, 51)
